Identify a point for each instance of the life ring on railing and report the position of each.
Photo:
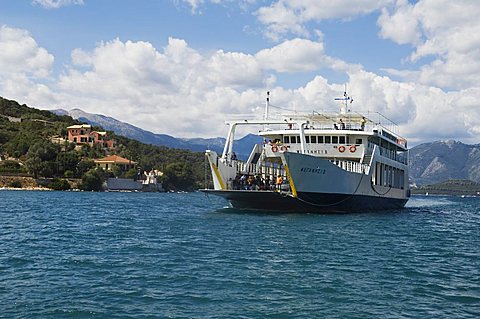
(353, 149)
(283, 148)
(274, 148)
(341, 149)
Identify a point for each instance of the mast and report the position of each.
(344, 109)
(267, 106)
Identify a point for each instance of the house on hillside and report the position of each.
(83, 134)
(107, 163)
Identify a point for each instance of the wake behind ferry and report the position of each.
(324, 162)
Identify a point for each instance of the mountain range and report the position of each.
(243, 146)
(442, 160)
(429, 162)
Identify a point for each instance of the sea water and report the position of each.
(146, 255)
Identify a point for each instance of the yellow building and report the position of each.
(107, 163)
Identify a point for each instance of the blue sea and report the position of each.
(169, 255)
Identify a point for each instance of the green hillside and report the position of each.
(26, 147)
(450, 187)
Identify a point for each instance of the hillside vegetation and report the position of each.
(450, 187)
(26, 147)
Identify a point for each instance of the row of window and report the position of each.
(313, 139)
(389, 176)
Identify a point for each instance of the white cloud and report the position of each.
(184, 92)
(295, 55)
(446, 31)
(285, 17)
(24, 66)
(401, 26)
(20, 53)
(55, 4)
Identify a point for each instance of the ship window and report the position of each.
(298, 139)
(320, 140)
(341, 140)
(313, 139)
(286, 139)
(327, 139)
(293, 140)
(358, 141)
(334, 139)
(307, 139)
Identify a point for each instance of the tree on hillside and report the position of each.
(41, 158)
(84, 166)
(178, 176)
(93, 180)
(67, 161)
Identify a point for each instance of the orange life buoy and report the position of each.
(274, 148)
(283, 148)
(341, 149)
(353, 148)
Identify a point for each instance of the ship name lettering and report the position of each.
(313, 170)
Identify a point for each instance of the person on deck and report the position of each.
(363, 121)
(279, 182)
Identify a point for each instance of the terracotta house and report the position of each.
(83, 134)
(107, 163)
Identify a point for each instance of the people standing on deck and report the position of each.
(234, 157)
(342, 124)
(251, 183)
(267, 182)
(243, 180)
(279, 182)
(363, 121)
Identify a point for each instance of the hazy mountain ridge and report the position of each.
(429, 162)
(243, 146)
(443, 160)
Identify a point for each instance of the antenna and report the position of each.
(344, 109)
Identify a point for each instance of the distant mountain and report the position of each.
(443, 160)
(243, 146)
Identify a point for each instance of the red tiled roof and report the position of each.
(114, 159)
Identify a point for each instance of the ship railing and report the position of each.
(350, 166)
(254, 177)
(243, 168)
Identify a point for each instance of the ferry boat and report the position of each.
(319, 162)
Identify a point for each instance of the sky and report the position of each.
(182, 67)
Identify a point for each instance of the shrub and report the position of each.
(68, 174)
(59, 184)
(92, 180)
(15, 184)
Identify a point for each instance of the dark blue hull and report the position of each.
(307, 202)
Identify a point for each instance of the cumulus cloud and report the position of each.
(20, 53)
(400, 26)
(55, 4)
(24, 65)
(295, 55)
(181, 91)
(447, 32)
(285, 17)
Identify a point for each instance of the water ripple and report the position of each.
(134, 255)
